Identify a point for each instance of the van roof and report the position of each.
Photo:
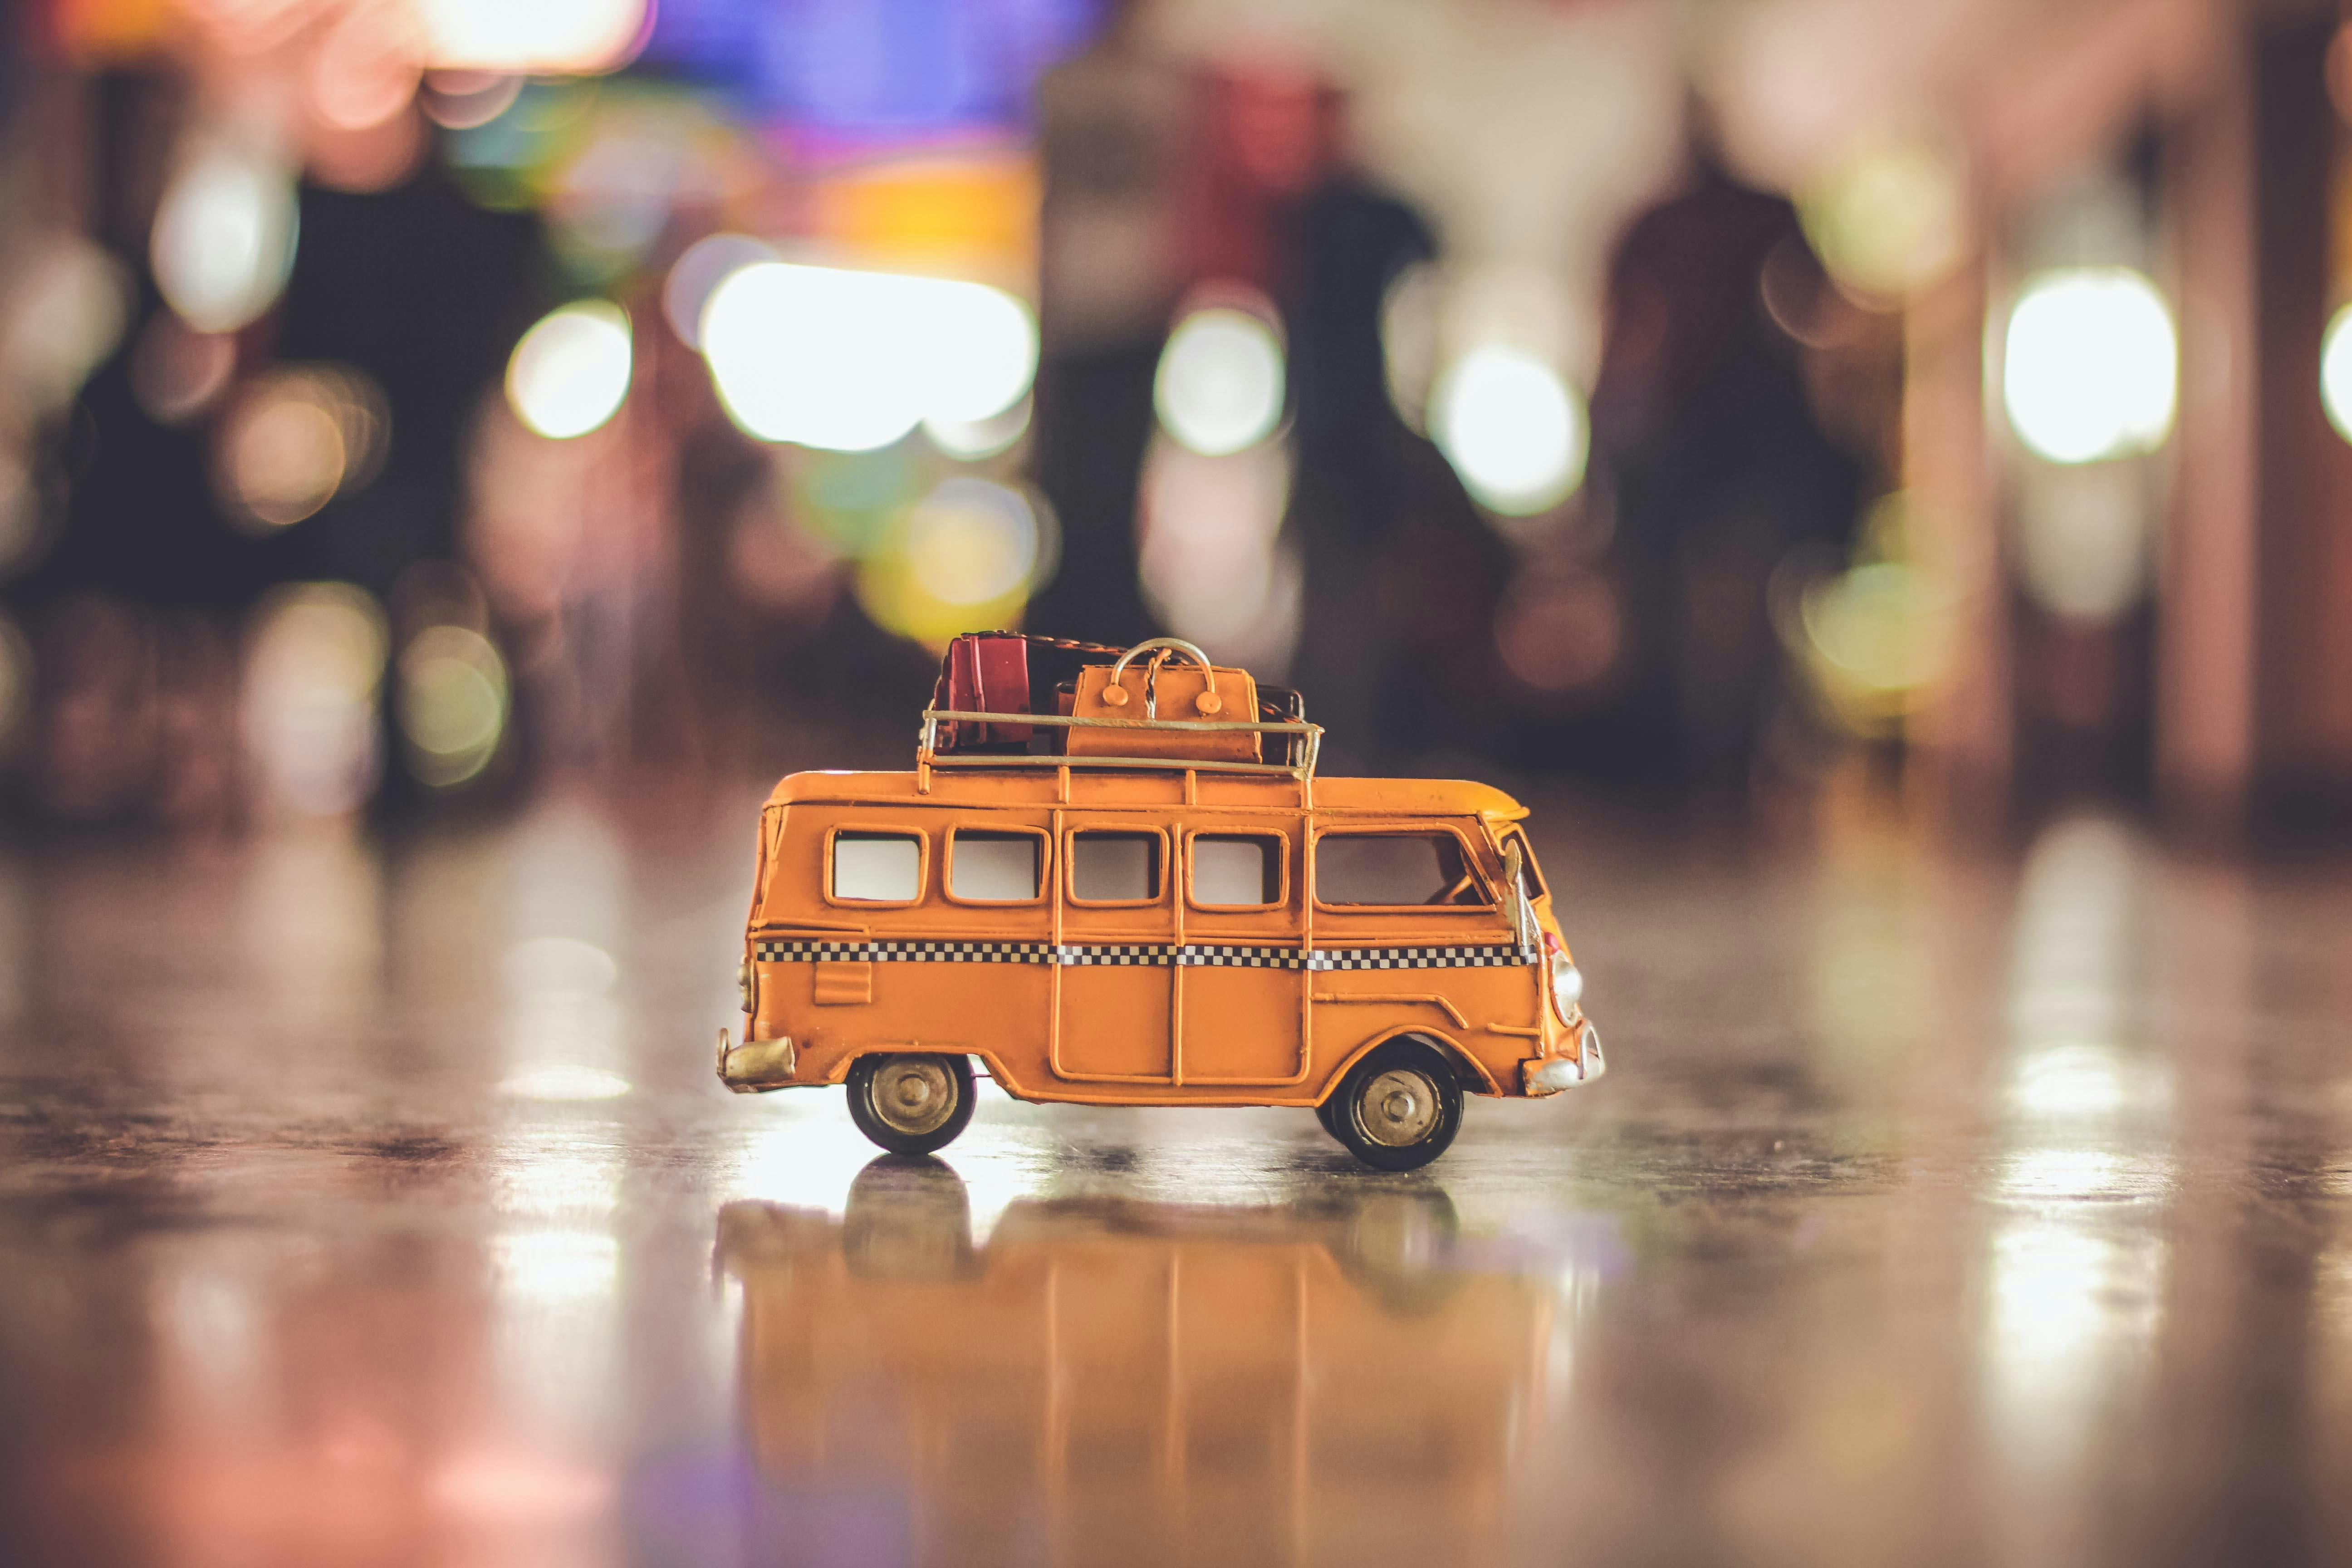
(1149, 787)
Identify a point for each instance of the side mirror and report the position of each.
(1515, 878)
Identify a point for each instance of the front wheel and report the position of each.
(911, 1103)
(1399, 1107)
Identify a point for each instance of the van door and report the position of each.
(1410, 929)
(1241, 992)
(1115, 975)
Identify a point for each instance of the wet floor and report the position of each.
(377, 1205)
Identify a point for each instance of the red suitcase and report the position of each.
(986, 673)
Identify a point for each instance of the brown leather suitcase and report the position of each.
(1164, 688)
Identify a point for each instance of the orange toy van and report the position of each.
(1107, 903)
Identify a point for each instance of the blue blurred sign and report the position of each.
(879, 69)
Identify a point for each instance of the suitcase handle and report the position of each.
(1115, 695)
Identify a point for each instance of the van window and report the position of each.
(995, 868)
(1236, 869)
(1393, 868)
(877, 867)
(1107, 868)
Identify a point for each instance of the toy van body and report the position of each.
(1129, 931)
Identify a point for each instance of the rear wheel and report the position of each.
(911, 1103)
(1399, 1107)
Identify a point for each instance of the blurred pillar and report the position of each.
(2305, 715)
(2204, 697)
(1117, 135)
(1961, 751)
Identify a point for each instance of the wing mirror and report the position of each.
(1523, 930)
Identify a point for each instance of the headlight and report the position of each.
(1566, 988)
(743, 984)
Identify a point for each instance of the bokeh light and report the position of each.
(1408, 330)
(2084, 538)
(2335, 372)
(970, 440)
(971, 541)
(1875, 635)
(541, 37)
(461, 101)
(282, 460)
(178, 373)
(1888, 218)
(452, 702)
(312, 672)
(225, 236)
(812, 355)
(611, 186)
(985, 353)
(296, 437)
(2090, 366)
(1512, 428)
(509, 159)
(697, 274)
(570, 373)
(1212, 564)
(1220, 384)
(365, 69)
(851, 360)
(1866, 624)
(67, 311)
(968, 555)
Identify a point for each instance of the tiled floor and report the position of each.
(375, 1205)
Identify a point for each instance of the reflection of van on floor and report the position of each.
(1109, 905)
(1110, 1381)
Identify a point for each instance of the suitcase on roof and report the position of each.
(1160, 688)
(983, 672)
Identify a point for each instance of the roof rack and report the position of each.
(928, 756)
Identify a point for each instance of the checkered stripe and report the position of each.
(905, 951)
(1501, 955)
(1149, 954)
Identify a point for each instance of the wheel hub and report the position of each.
(912, 1097)
(1399, 1108)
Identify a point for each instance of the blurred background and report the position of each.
(407, 406)
(1875, 476)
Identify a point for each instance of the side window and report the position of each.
(1115, 868)
(1536, 888)
(1393, 868)
(1233, 870)
(995, 868)
(877, 867)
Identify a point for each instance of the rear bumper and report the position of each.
(1551, 1075)
(756, 1065)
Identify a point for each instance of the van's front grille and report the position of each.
(1214, 954)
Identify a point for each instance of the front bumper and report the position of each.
(756, 1065)
(1551, 1075)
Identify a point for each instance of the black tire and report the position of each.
(882, 1103)
(1404, 1122)
(1323, 1114)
